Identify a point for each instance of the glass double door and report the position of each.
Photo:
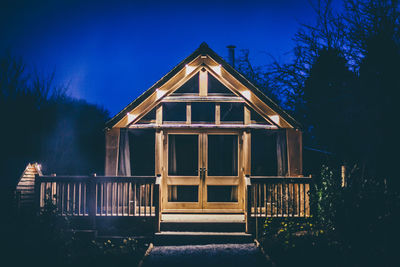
(202, 172)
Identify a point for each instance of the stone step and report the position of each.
(172, 238)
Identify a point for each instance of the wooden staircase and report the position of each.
(196, 229)
(25, 191)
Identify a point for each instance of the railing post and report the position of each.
(91, 200)
(248, 198)
(157, 202)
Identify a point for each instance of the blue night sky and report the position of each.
(110, 53)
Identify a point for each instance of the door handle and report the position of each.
(202, 173)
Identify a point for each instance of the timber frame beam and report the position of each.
(205, 62)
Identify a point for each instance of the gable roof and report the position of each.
(204, 49)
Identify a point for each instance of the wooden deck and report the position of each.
(135, 200)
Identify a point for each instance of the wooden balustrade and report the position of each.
(278, 197)
(99, 195)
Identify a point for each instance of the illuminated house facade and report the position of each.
(202, 140)
(202, 129)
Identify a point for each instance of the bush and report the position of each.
(295, 241)
(50, 240)
(327, 197)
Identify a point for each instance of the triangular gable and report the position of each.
(201, 60)
(189, 87)
(216, 87)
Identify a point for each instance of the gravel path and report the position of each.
(206, 256)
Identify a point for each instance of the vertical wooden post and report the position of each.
(92, 201)
(343, 172)
(159, 115)
(188, 113)
(203, 82)
(157, 207)
(248, 209)
(217, 113)
(157, 202)
(247, 116)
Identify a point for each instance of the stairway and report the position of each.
(199, 229)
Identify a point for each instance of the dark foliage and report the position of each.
(51, 240)
(40, 123)
(343, 85)
(328, 94)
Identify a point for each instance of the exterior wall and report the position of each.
(295, 152)
(112, 145)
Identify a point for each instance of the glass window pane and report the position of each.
(183, 193)
(183, 155)
(142, 152)
(222, 193)
(263, 153)
(190, 87)
(222, 155)
(216, 87)
(174, 111)
(257, 118)
(203, 112)
(232, 112)
(150, 117)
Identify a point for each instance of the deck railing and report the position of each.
(99, 195)
(278, 197)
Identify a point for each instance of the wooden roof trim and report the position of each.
(216, 59)
(213, 98)
(196, 54)
(122, 120)
(202, 126)
(180, 78)
(151, 101)
(239, 90)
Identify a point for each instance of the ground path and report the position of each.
(243, 255)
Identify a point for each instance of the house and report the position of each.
(202, 140)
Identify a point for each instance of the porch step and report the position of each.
(202, 218)
(173, 238)
(203, 226)
(203, 223)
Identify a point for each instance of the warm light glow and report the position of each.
(246, 94)
(131, 117)
(189, 69)
(275, 118)
(160, 93)
(217, 69)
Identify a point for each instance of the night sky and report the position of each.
(110, 53)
